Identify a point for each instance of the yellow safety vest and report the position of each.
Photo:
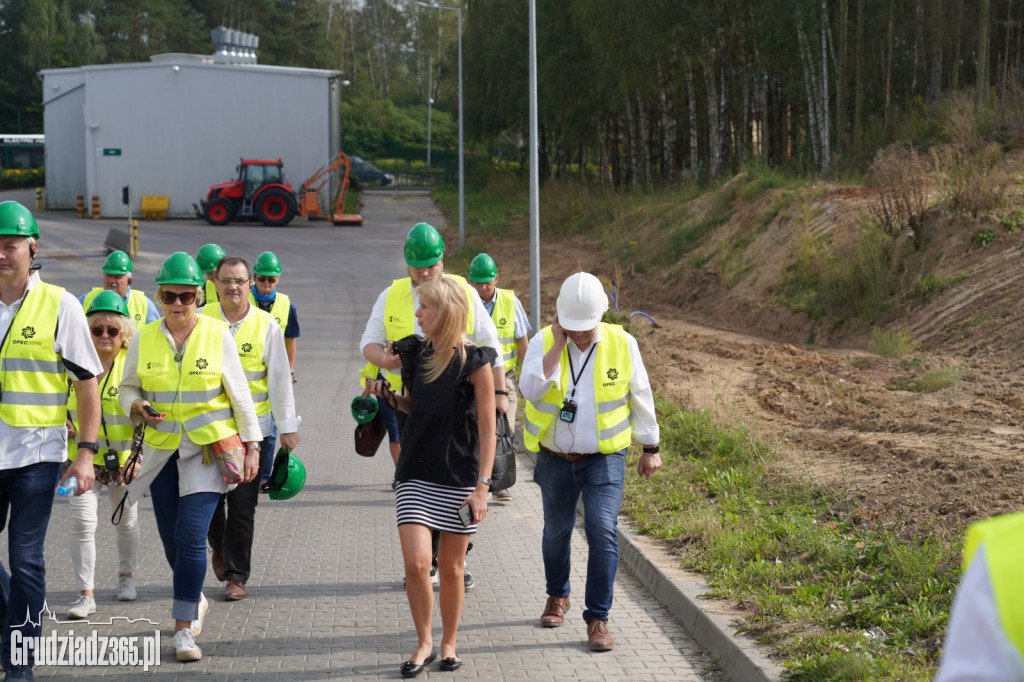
(33, 376)
(116, 428)
(138, 307)
(504, 316)
(1004, 550)
(400, 322)
(191, 395)
(613, 370)
(251, 338)
(281, 309)
(210, 292)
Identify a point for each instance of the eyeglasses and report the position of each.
(186, 297)
(237, 281)
(111, 331)
(266, 278)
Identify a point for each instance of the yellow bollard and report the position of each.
(95, 206)
(39, 198)
(135, 237)
(80, 206)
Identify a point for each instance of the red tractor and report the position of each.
(261, 193)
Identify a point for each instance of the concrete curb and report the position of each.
(707, 621)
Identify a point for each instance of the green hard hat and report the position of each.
(118, 263)
(108, 302)
(17, 220)
(208, 257)
(287, 477)
(424, 246)
(267, 265)
(483, 269)
(180, 268)
(364, 409)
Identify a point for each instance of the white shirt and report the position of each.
(484, 331)
(24, 445)
(580, 436)
(194, 476)
(279, 376)
(977, 648)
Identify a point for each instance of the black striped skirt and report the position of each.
(432, 505)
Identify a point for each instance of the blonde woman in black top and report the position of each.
(447, 453)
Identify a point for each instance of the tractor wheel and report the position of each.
(276, 207)
(220, 211)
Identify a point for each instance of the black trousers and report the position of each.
(234, 523)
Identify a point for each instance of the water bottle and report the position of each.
(68, 487)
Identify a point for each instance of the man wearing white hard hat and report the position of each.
(587, 398)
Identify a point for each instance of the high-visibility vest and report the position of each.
(116, 428)
(210, 292)
(191, 395)
(1004, 550)
(32, 376)
(138, 306)
(400, 322)
(280, 310)
(613, 370)
(504, 317)
(251, 338)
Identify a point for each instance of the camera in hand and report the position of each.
(406, 345)
(466, 515)
(150, 410)
(568, 412)
(110, 461)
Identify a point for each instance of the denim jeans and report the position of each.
(234, 524)
(599, 480)
(267, 456)
(26, 496)
(182, 523)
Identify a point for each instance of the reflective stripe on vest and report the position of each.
(504, 316)
(280, 310)
(1004, 550)
(613, 370)
(400, 322)
(116, 428)
(251, 338)
(33, 376)
(210, 292)
(191, 395)
(138, 307)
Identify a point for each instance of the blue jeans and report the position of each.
(26, 494)
(599, 480)
(267, 458)
(183, 523)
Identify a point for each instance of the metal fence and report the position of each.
(412, 165)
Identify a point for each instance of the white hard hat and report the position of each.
(581, 302)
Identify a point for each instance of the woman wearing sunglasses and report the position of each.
(112, 329)
(183, 375)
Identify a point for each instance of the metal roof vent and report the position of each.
(234, 47)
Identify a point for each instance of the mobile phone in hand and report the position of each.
(466, 515)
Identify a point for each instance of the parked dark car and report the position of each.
(367, 174)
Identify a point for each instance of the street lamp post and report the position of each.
(430, 93)
(462, 157)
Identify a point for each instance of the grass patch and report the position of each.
(837, 599)
(891, 344)
(929, 383)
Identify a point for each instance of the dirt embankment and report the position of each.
(929, 462)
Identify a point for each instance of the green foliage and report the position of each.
(929, 383)
(892, 344)
(838, 599)
(1013, 220)
(22, 177)
(984, 237)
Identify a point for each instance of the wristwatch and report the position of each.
(484, 479)
(95, 447)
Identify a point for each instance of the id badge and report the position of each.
(568, 412)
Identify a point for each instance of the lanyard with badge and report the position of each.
(568, 412)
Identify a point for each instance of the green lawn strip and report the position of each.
(836, 599)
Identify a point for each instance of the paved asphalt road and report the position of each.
(326, 598)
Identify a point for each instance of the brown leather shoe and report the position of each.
(235, 590)
(598, 637)
(554, 612)
(218, 563)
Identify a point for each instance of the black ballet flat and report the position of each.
(410, 669)
(450, 664)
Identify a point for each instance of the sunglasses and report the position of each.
(265, 278)
(111, 331)
(169, 297)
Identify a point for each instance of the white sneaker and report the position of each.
(126, 588)
(197, 624)
(185, 647)
(83, 607)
